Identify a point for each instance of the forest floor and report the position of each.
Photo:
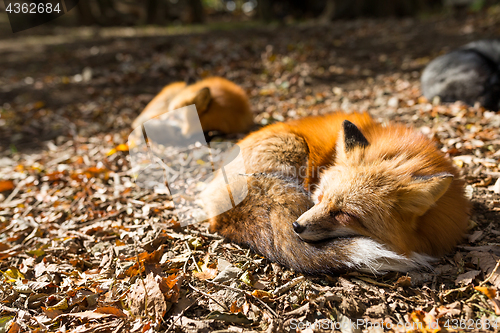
(82, 249)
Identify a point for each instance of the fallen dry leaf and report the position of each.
(238, 318)
(235, 308)
(424, 322)
(111, 311)
(6, 185)
(146, 298)
(467, 278)
(489, 292)
(262, 294)
(404, 282)
(487, 262)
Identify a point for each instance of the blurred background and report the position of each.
(178, 12)
(91, 71)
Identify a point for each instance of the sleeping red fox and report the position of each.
(222, 106)
(386, 198)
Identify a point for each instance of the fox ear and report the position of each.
(202, 99)
(350, 138)
(423, 191)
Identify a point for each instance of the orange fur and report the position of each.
(221, 104)
(309, 140)
(383, 194)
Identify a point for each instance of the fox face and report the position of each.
(369, 193)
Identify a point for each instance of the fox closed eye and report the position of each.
(345, 219)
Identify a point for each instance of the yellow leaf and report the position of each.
(262, 294)
(36, 253)
(120, 147)
(247, 278)
(62, 305)
(195, 242)
(39, 105)
(111, 152)
(489, 292)
(13, 274)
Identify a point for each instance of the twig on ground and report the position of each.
(491, 274)
(14, 193)
(376, 283)
(110, 216)
(287, 286)
(204, 234)
(209, 296)
(248, 294)
(181, 314)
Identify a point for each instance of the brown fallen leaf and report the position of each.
(483, 182)
(477, 235)
(6, 185)
(171, 287)
(14, 328)
(467, 278)
(404, 282)
(146, 298)
(87, 315)
(144, 262)
(235, 308)
(425, 322)
(487, 263)
(238, 318)
(451, 310)
(206, 273)
(496, 305)
(52, 313)
(112, 311)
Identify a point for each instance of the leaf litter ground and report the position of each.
(82, 249)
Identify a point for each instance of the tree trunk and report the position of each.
(265, 10)
(85, 15)
(196, 8)
(328, 13)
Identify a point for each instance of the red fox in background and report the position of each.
(221, 104)
(386, 197)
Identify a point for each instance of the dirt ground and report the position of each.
(82, 249)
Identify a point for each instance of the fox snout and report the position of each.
(318, 223)
(297, 227)
(311, 226)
